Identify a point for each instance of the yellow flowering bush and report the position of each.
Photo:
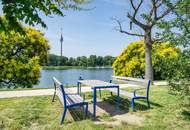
(21, 56)
(131, 62)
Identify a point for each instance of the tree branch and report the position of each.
(133, 17)
(156, 18)
(154, 7)
(125, 32)
(135, 21)
(136, 8)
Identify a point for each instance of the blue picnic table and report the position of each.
(96, 84)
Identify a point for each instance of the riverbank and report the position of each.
(73, 67)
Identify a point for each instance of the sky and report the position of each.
(89, 32)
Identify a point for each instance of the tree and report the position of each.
(177, 30)
(28, 11)
(38, 44)
(100, 61)
(131, 62)
(52, 60)
(81, 61)
(108, 60)
(72, 62)
(62, 60)
(160, 15)
(84, 61)
(21, 56)
(92, 60)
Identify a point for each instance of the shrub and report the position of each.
(21, 55)
(179, 78)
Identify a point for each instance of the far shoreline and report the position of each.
(74, 67)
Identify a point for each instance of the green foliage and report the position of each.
(28, 10)
(179, 79)
(91, 61)
(176, 30)
(20, 57)
(131, 62)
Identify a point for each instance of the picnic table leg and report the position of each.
(78, 84)
(80, 88)
(118, 99)
(94, 102)
(86, 111)
(100, 93)
(77, 87)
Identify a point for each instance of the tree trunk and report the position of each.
(148, 55)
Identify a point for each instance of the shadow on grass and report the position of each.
(125, 104)
(78, 114)
(152, 104)
(186, 114)
(2, 125)
(110, 106)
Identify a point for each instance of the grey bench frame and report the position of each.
(134, 96)
(68, 99)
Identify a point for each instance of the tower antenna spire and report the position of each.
(61, 41)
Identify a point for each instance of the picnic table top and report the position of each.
(129, 79)
(97, 83)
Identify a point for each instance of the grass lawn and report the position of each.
(39, 113)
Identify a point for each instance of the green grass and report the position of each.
(39, 113)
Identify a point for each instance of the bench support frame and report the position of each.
(136, 97)
(64, 96)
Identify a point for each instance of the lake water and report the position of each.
(70, 76)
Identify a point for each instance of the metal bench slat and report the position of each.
(124, 93)
(75, 98)
(68, 91)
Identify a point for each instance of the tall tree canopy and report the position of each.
(159, 20)
(91, 61)
(31, 11)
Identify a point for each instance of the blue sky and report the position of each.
(89, 32)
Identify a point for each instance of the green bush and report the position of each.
(131, 62)
(21, 55)
(179, 78)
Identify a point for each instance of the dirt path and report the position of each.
(26, 93)
(40, 92)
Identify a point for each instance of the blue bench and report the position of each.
(133, 96)
(68, 99)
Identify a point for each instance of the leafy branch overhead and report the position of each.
(31, 11)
